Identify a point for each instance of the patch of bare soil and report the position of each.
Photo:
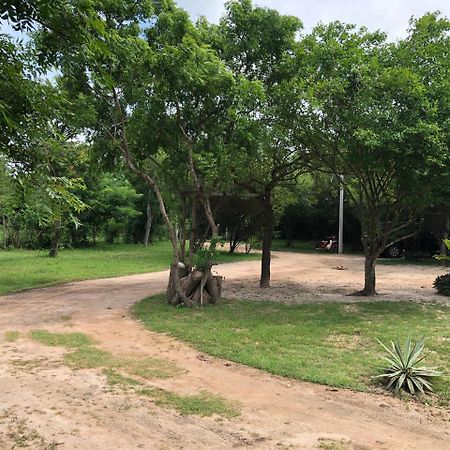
(318, 278)
(46, 405)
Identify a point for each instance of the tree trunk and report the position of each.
(445, 235)
(369, 275)
(55, 240)
(149, 221)
(5, 232)
(198, 287)
(233, 241)
(369, 290)
(264, 281)
(193, 234)
(288, 233)
(183, 232)
(214, 287)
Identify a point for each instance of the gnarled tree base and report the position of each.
(194, 288)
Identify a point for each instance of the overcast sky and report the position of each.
(391, 16)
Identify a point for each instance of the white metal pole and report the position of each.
(341, 217)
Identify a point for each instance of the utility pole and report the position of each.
(341, 216)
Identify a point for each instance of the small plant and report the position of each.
(204, 257)
(442, 284)
(443, 256)
(403, 371)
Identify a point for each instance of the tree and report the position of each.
(367, 117)
(116, 205)
(240, 217)
(259, 45)
(425, 52)
(116, 73)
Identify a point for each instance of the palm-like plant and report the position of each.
(403, 370)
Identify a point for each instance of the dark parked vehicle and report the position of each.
(422, 245)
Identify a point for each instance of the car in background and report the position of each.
(424, 244)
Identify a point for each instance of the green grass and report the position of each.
(85, 356)
(19, 435)
(22, 269)
(332, 344)
(11, 336)
(115, 378)
(67, 340)
(202, 404)
(334, 445)
(146, 368)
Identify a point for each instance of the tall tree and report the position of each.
(258, 44)
(425, 52)
(368, 118)
(143, 61)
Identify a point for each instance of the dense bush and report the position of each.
(442, 284)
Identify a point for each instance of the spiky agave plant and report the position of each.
(403, 370)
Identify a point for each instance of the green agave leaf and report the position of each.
(390, 375)
(388, 350)
(421, 359)
(407, 351)
(415, 353)
(402, 372)
(418, 384)
(391, 382)
(426, 372)
(394, 363)
(400, 382)
(410, 386)
(399, 352)
(424, 383)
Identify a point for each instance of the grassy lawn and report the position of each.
(22, 269)
(333, 344)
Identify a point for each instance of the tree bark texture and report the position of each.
(445, 235)
(149, 220)
(5, 232)
(56, 239)
(369, 275)
(199, 287)
(264, 281)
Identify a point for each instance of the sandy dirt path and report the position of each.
(44, 404)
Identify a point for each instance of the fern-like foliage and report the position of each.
(443, 256)
(403, 371)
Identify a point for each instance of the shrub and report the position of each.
(403, 371)
(444, 256)
(442, 284)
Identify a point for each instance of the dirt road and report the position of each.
(44, 404)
